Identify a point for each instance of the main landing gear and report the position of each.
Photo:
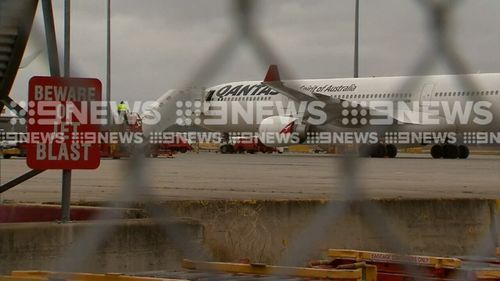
(449, 151)
(226, 149)
(378, 150)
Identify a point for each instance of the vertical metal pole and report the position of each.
(108, 65)
(67, 38)
(66, 196)
(50, 34)
(356, 40)
(66, 174)
(1, 200)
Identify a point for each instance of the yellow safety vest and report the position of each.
(122, 107)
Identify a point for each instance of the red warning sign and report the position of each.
(62, 126)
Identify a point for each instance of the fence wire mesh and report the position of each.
(138, 189)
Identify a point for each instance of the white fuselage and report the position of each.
(425, 94)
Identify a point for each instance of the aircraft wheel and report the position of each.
(437, 151)
(463, 152)
(226, 149)
(450, 151)
(378, 150)
(391, 150)
(364, 150)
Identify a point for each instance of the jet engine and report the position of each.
(276, 131)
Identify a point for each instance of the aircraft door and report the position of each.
(426, 93)
(206, 99)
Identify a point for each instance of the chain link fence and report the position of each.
(138, 189)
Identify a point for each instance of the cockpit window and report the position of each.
(210, 94)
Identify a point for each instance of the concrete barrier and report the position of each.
(497, 225)
(128, 246)
(41, 212)
(264, 230)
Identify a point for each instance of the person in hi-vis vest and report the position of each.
(123, 111)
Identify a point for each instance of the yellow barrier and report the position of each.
(300, 148)
(488, 274)
(416, 150)
(208, 146)
(436, 262)
(10, 152)
(20, 278)
(47, 275)
(369, 271)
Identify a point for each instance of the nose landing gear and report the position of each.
(378, 150)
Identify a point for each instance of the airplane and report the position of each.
(377, 114)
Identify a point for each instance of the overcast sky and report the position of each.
(158, 44)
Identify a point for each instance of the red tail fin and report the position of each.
(273, 74)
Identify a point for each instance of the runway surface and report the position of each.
(208, 176)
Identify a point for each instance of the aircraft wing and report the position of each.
(335, 107)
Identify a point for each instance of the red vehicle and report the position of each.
(176, 143)
(251, 145)
(114, 150)
(117, 151)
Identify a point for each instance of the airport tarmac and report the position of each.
(207, 176)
